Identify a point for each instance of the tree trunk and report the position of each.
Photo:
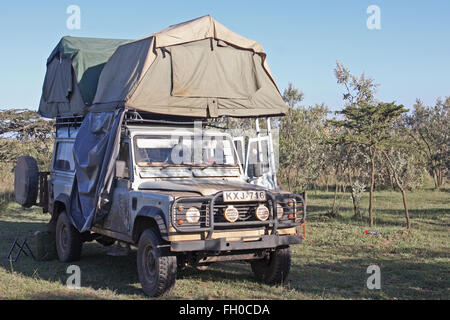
(333, 208)
(372, 184)
(435, 179)
(356, 211)
(288, 179)
(440, 177)
(344, 188)
(402, 190)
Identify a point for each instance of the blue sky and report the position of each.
(409, 56)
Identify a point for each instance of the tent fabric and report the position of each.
(95, 148)
(73, 70)
(195, 69)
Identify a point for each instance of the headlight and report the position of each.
(280, 211)
(193, 215)
(262, 213)
(231, 214)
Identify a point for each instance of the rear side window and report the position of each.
(64, 157)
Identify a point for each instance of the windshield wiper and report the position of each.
(186, 166)
(198, 166)
(216, 165)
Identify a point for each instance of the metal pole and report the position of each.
(272, 154)
(258, 135)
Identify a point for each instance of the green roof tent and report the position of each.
(197, 68)
(73, 70)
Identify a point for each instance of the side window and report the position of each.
(64, 157)
(124, 155)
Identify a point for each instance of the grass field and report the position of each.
(331, 264)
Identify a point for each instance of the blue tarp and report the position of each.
(95, 151)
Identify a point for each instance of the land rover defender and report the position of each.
(179, 212)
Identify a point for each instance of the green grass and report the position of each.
(331, 264)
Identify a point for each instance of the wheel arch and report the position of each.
(60, 204)
(150, 217)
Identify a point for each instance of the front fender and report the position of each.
(159, 218)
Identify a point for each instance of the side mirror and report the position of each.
(120, 169)
(257, 170)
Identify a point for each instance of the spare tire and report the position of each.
(26, 181)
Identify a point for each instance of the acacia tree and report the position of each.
(367, 123)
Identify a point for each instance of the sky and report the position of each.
(409, 56)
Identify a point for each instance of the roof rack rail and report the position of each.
(135, 117)
(75, 121)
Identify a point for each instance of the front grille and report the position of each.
(246, 210)
(247, 213)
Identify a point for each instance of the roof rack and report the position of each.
(135, 117)
(74, 121)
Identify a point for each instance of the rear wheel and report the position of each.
(273, 269)
(68, 240)
(157, 270)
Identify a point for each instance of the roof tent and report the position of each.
(197, 68)
(73, 70)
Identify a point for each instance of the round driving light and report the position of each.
(193, 215)
(231, 214)
(262, 213)
(280, 211)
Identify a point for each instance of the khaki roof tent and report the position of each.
(73, 69)
(195, 69)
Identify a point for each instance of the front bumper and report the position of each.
(217, 245)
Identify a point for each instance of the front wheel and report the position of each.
(273, 269)
(156, 270)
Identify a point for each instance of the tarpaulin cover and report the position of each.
(73, 70)
(197, 68)
(96, 145)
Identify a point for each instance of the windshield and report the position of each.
(165, 151)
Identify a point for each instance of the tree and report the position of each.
(366, 123)
(430, 129)
(301, 132)
(24, 132)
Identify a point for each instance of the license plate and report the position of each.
(241, 196)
